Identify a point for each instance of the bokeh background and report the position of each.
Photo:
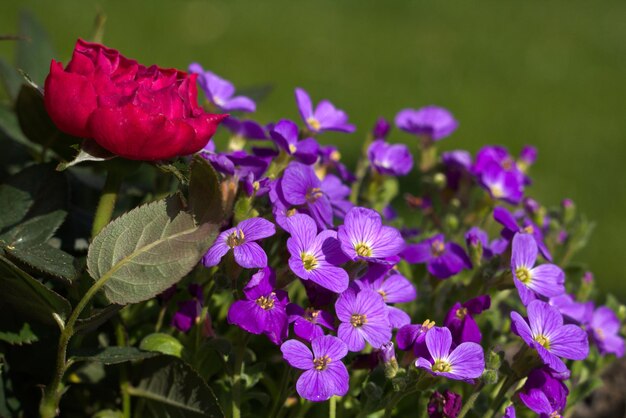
(552, 74)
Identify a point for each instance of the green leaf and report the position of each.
(11, 79)
(35, 51)
(35, 230)
(14, 205)
(37, 125)
(172, 389)
(28, 296)
(96, 319)
(111, 355)
(162, 343)
(44, 259)
(145, 251)
(109, 413)
(89, 151)
(205, 196)
(16, 332)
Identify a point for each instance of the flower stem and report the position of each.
(106, 205)
(122, 341)
(332, 407)
(469, 403)
(237, 381)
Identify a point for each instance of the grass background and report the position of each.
(548, 73)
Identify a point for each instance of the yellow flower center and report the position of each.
(291, 212)
(235, 239)
(292, 148)
(311, 314)
(428, 324)
(358, 320)
(383, 294)
(363, 250)
(523, 275)
(543, 340)
(441, 366)
(335, 156)
(313, 194)
(529, 229)
(266, 302)
(599, 333)
(309, 262)
(496, 191)
(321, 363)
(461, 313)
(314, 123)
(437, 247)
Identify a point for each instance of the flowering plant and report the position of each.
(267, 278)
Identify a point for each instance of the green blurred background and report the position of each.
(551, 74)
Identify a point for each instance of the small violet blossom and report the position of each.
(363, 317)
(443, 259)
(509, 412)
(414, 337)
(546, 333)
(572, 311)
(431, 121)
(460, 319)
(364, 237)
(381, 129)
(476, 236)
(544, 394)
(314, 256)
(325, 117)
(241, 240)
(285, 135)
(325, 375)
(263, 311)
(390, 159)
(308, 323)
(189, 310)
(393, 287)
(301, 187)
(220, 92)
(604, 330)
(545, 280)
(511, 227)
(444, 405)
(465, 362)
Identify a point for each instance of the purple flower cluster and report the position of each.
(362, 275)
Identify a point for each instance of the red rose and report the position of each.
(136, 112)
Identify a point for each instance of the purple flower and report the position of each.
(248, 129)
(325, 374)
(465, 362)
(363, 236)
(527, 157)
(511, 227)
(381, 129)
(301, 187)
(460, 319)
(263, 309)
(188, 310)
(308, 323)
(330, 158)
(457, 164)
(434, 122)
(443, 259)
(502, 184)
(476, 236)
(393, 287)
(220, 92)
(547, 334)
(544, 394)
(509, 412)
(285, 135)
(446, 405)
(545, 280)
(572, 311)
(325, 117)
(410, 335)
(314, 256)
(338, 194)
(390, 159)
(363, 317)
(241, 240)
(604, 330)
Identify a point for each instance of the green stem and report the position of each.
(280, 398)
(361, 171)
(238, 368)
(469, 403)
(106, 205)
(122, 341)
(509, 382)
(332, 407)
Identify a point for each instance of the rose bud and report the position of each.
(136, 112)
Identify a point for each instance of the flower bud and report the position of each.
(387, 356)
(490, 377)
(381, 129)
(494, 360)
(569, 210)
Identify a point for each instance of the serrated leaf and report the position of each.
(205, 197)
(14, 205)
(145, 251)
(111, 355)
(96, 319)
(162, 343)
(172, 389)
(37, 125)
(44, 259)
(22, 334)
(89, 151)
(28, 296)
(36, 230)
(34, 52)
